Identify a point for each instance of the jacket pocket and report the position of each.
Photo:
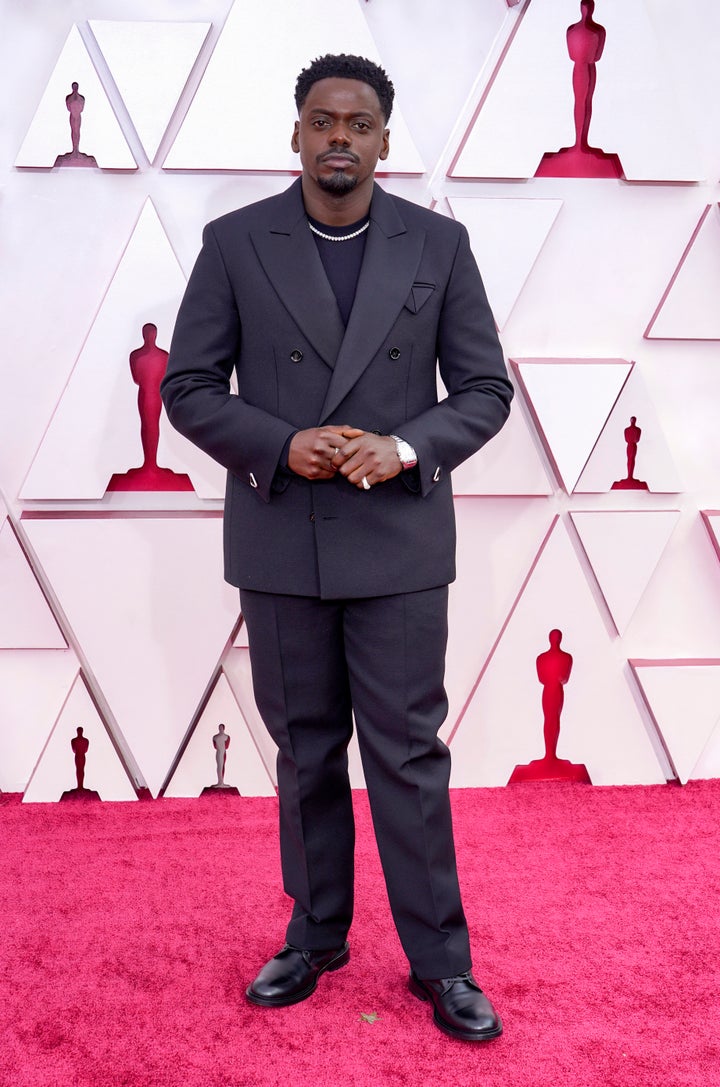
(419, 294)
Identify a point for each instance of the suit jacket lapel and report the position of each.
(392, 257)
(289, 255)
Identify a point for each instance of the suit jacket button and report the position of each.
(312, 516)
(394, 353)
(296, 356)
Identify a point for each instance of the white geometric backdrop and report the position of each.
(113, 612)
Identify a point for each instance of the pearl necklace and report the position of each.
(338, 238)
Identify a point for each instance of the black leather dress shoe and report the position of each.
(461, 1007)
(292, 975)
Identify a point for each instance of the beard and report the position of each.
(338, 184)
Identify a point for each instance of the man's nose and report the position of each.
(340, 134)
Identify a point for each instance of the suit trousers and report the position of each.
(315, 664)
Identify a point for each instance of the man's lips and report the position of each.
(338, 160)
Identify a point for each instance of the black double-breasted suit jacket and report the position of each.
(259, 302)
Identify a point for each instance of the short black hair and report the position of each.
(346, 66)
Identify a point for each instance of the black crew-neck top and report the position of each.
(342, 261)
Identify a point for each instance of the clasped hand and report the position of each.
(322, 452)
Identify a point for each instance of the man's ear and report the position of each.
(294, 141)
(385, 149)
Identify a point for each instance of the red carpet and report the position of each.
(129, 932)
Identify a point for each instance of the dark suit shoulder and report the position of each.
(281, 208)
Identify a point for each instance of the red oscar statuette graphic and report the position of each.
(553, 670)
(80, 746)
(632, 437)
(147, 366)
(75, 103)
(585, 43)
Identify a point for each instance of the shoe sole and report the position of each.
(267, 1002)
(464, 1035)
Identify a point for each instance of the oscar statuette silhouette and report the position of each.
(221, 743)
(80, 746)
(632, 437)
(553, 670)
(75, 103)
(147, 367)
(585, 43)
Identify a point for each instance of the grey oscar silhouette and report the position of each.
(221, 743)
(75, 104)
(80, 746)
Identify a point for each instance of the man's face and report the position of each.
(340, 134)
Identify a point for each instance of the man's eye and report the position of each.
(362, 125)
(321, 122)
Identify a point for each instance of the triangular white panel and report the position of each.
(509, 464)
(507, 235)
(26, 621)
(684, 697)
(689, 307)
(150, 610)
(244, 768)
(571, 400)
(150, 63)
(55, 771)
(33, 684)
(95, 431)
(679, 614)
(528, 107)
(252, 74)
(498, 541)
(608, 462)
(623, 548)
(503, 724)
(100, 134)
(528, 111)
(712, 523)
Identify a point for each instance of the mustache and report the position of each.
(349, 155)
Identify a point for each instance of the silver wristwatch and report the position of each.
(406, 453)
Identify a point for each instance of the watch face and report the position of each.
(406, 453)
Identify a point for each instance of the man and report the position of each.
(334, 302)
